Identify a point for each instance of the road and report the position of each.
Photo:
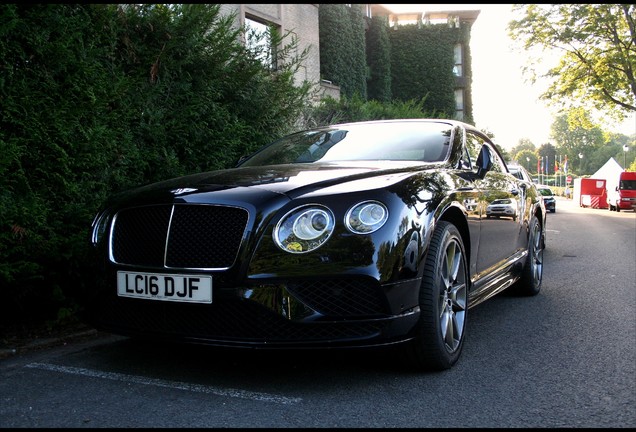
(565, 358)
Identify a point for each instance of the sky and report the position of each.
(503, 102)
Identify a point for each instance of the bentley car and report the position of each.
(366, 234)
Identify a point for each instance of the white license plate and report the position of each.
(167, 287)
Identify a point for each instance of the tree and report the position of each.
(547, 152)
(527, 158)
(575, 133)
(598, 42)
(524, 144)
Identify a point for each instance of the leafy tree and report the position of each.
(575, 133)
(527, 158)
(524, 144)
(598, 45)
(548, 151)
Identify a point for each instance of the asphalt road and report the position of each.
(565, 358)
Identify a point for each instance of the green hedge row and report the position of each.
(96, 98)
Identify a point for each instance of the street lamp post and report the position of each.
(581, 164)
(625, 148)
(528, 164)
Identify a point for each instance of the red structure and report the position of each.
(593, 193)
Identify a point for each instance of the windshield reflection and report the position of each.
(425, 142)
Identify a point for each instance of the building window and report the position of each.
(459, 104)
(258, 39)
(458, 69)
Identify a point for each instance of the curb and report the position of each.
(45, 343)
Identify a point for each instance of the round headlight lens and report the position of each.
(310, 224)
(366, 217)
(304, 229)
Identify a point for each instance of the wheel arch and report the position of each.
(457, 217)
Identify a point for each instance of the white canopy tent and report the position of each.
(610, 172)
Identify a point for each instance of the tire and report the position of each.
(531, 278)
(443, 301)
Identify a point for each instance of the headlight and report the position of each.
(366, 217)
(100, 226)
(304, 229)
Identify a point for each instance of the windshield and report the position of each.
(401, 141)
(628, 184)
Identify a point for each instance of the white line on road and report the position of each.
(265, 397)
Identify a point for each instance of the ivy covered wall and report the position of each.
(342, 48)
(422, 66)
(410, 62)
(379, 60)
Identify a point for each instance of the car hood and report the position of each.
(290, 180)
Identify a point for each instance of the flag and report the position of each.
(565, 164)
(556, 165)
(538, 165)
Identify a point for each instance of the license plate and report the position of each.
(167, 287)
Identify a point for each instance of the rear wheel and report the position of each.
(443, 302)
(532, 274)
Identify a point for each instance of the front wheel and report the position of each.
(532, 274)
(443, 302)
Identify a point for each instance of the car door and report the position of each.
(498, 236)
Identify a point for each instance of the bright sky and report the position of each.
(503, 103)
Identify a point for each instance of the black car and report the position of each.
(353, 235)
(548, 198)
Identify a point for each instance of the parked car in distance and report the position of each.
(368, 234)
(548, 197)
(502, 207)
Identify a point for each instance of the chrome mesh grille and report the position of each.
(178, 236)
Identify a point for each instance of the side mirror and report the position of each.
(484, 162)
(616, 188)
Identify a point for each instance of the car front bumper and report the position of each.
(270, 314)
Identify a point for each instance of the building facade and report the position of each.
(302, 20)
